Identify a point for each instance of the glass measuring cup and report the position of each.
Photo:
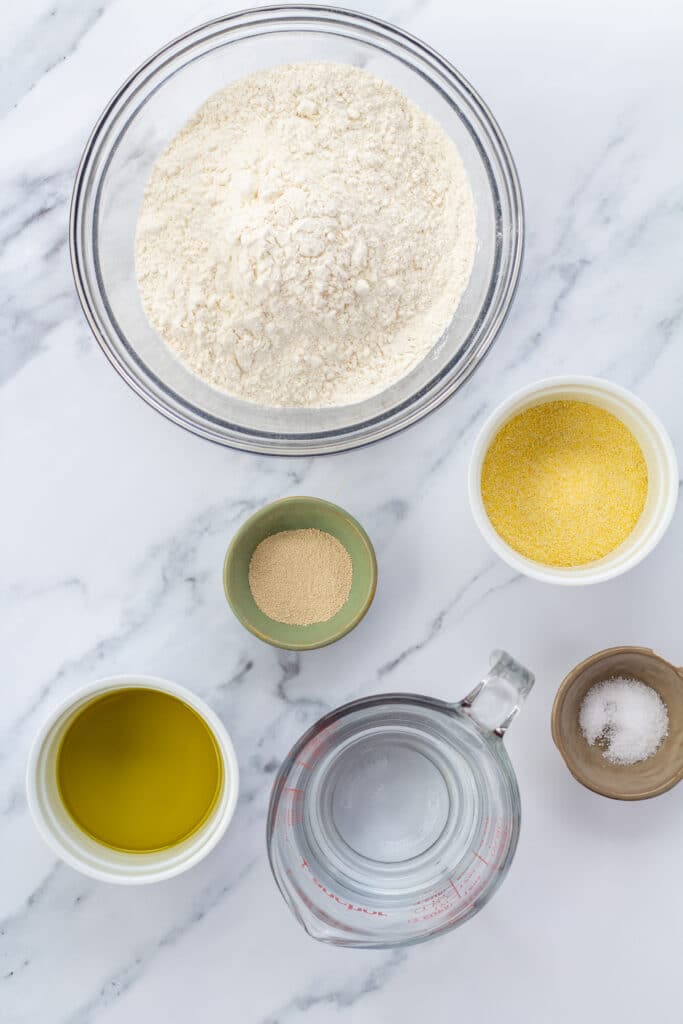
(396, 817)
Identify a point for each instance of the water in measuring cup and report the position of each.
(405, 799)
(393, 819)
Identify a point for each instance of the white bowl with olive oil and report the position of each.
(132, 779)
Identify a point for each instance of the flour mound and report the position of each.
(306, 237)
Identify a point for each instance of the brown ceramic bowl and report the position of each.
(587, 764)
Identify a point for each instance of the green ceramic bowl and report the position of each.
(300, 514)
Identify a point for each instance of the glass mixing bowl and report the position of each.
(149, 110)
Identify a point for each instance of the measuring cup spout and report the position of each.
(495, 701)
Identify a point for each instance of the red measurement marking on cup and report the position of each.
(437, 909)
(290, 816)
(495, 845)
(439, 903)
(291, 809)
(317, 746)
(294, 818)
(434, 897)
(346, 904)
(463, 891)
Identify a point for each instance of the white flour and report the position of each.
(306, 237)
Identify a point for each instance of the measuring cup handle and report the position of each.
(495, 701)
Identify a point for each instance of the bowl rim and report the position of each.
(375, 427)
(197, 847)
(551, 574)
(558, 736)
(362, 609)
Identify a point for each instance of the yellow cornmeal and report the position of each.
(564, 483)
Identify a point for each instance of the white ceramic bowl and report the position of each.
(662, 476)
(85, 854)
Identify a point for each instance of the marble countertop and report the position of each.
(116, 522)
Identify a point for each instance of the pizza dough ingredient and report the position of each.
(306, 237)
(300, 576)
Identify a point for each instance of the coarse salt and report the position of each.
(627, 718)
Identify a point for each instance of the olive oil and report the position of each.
(138, 770)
